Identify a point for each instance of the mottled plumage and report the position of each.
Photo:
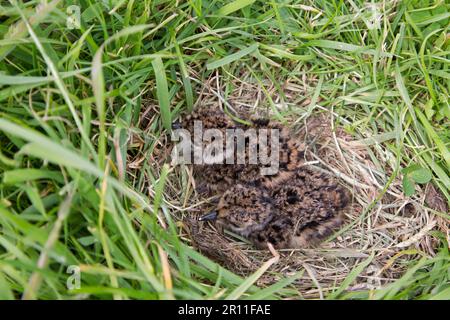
(297, 207)
(289, 215)
(217, 178)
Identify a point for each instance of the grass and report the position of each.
(85, 114)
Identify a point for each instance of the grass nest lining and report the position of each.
(385, 230)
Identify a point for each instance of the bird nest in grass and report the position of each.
(381, 222)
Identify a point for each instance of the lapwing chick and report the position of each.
(298, 206)
(299, 214)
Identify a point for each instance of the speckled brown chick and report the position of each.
(295, 215)
(314, 202)
(295, 208)
(217, 178)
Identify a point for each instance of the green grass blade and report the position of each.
(162, 92)
(247, 283)
(233, 7)
(232, 57)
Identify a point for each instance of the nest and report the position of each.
(381, 224)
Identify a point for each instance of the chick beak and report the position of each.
(176, 125)
(209, 216)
